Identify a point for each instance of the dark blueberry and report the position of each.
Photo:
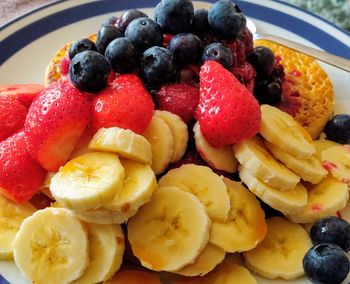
(80, 45)
(326, 264)
(144, 33)
(186, 47)
(174, 16)
(331, 230)
(89, 71)
(220, 53)
(200, 25)
(338, 129)
(226, 19)
(263, 60)
(105, 35)
(273, 93)
(111, 21)
(157, 66)
(128, 17)
(120, 54)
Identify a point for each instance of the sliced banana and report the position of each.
(324, 199)
(134, 277)
(179, 130)
(203, 183)
(11, 218)
(106, 249)
(221, 158)
(290, 201)
(282, 130)
(162, 141)
(245, 226)
(51, 247)
(253, 155)
(88, 181)
(309, 169)
(170, 231)
(323, 144)
(124, 142)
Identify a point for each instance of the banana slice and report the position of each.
(51, 247)
(290, 201)
(325, 199)
(170, 231)
(124, 142)
(138, 187)
(221, 158)
(210, 257)
(323, 144)
(106, 249)
(203, 183)
(245, 226)
(179, 130)
(253, 155)
(88, 181)
(162, 141)
(134, 277)
(11, 217)
(282, 130)
(337, 162)
(309, 169)
(281, 253)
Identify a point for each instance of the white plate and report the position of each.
(28, 43)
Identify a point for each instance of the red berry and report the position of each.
(227, 111)
(245, 73)
(20, 176)
(24, 93)
(64, 67)
(55, 121)
(125, 103)
(166, 39)
(179, 98)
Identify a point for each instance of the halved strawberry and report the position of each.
(24, 93)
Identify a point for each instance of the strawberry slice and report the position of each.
(24, 93)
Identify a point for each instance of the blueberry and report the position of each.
(331, 230)
(89, 71)
(175, 16)
(111, 21)
(326, 264)
(120, 54)
(81, 45)
(144, 33)
(220, 53)
(186, 47)
(157, 66)
(338, 129)
(263, 60)
(200, 25)
(105, 35)
(128, 17)
(226, 19)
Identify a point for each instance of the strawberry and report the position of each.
(179, 98)
(227, 111)
(55, 121)
(12, 116)
(20, 176)
(125, 103)
(24, 93)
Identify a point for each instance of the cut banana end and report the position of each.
(324, 199)
(282, 130)
(162, 141)
(11, 218)
(88, 181)
(323, 144)
(124, 142)
(203, 183)
(106, 249)
(287, 202)
(134, 277)
(281, 253)
(245, 226)
(170, 231)
(44, 244)
(337, 162)
(179, 130)
(221, 158)
(253, 155)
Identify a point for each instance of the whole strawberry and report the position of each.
(227, 111)
(125, 103)
(20, 176)
(55, 121)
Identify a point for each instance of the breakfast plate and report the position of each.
(28, 43)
